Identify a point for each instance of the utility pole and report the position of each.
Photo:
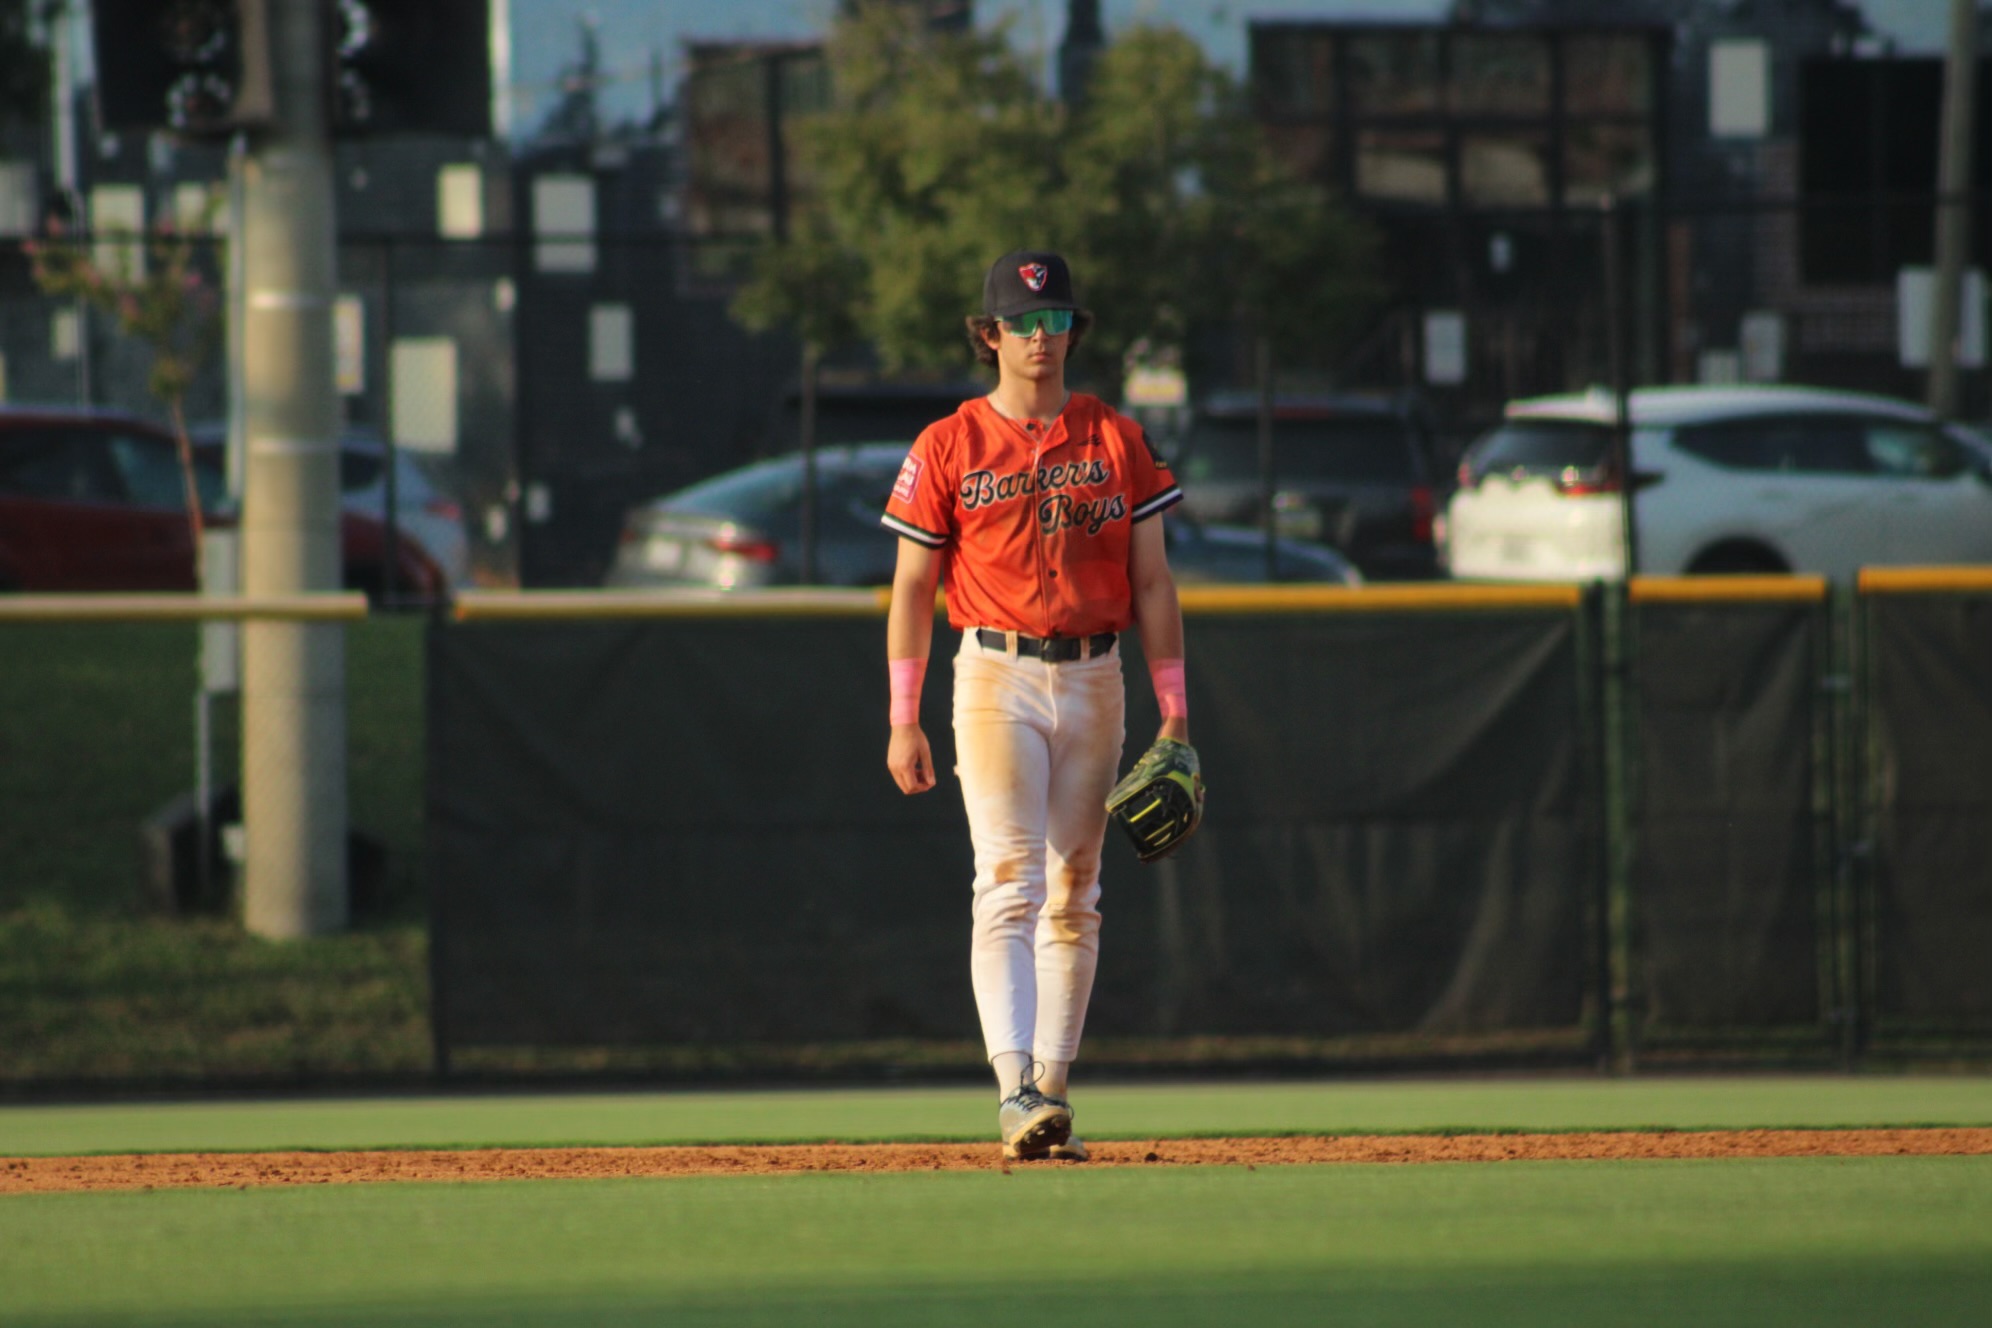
(293, 673)
(1953, 205)
(62, 118)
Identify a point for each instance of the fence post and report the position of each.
(1617, 781)
(1860, 805)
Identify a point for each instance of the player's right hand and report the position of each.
(909, 759)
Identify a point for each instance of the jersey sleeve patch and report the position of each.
(908, 482)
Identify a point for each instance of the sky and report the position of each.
(634, 34)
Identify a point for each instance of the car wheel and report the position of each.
(1737, 558)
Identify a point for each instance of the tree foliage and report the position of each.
(940, 151)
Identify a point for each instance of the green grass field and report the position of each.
(1748, 1242)
(95, 993)
(1113, 1111)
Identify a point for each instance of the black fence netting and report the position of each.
(1726, 884)
(681, 831)
(1401, 835)
(1930, 715)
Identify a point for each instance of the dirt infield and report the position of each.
(41, 1175)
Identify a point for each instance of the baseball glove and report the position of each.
(1160, 802)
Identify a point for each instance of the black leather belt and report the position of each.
(1055, 650)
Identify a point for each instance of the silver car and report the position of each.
(743, 528)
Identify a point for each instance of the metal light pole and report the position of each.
(293, 674)
(1615, 354)
(1953, 209)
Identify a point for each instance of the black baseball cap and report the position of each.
(1027, 279)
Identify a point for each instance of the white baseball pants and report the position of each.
(1038, 748)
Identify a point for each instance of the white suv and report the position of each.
(1724, 479)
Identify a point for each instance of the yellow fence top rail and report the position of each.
(581, 605)
(573, 605)
(1923, 580)
(1407, 596)
(171, 607)
(1724, 589)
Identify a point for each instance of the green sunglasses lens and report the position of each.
(1055, 322)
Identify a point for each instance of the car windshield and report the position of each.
(1350, 451)
(360, 470)
(1540, 447)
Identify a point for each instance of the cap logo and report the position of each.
(1034, 275)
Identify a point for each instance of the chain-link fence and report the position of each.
(555, 380)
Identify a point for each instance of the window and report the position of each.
(64, 465)
(1605, 75)
(1504, 170)
(1541, 447)
(150, 469)
(1911, 451)
(1815, 445)
(1500, 75)
(1402, 164)
(361, 470)
(1601, 159)
(1395, 73)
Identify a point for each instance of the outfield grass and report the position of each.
(97, 731)
(1758, 1243)
(1105, 1112)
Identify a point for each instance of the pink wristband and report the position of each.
(1171, 693)
(908, 677)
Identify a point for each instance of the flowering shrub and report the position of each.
(170, 307)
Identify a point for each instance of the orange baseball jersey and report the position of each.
(1034, 524)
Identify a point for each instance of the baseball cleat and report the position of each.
(1072, 1150)
(1032, 1124)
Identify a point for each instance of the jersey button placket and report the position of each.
(1046, 572)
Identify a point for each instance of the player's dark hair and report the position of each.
(981, 325)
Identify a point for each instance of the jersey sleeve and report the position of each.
(1153, 484)
(921, 507)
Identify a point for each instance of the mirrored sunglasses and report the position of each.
(1055, 322)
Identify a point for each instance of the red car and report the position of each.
(92, 500)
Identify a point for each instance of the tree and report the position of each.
(940, 151)
(169, 306)
(1157, 121)
(937, 153)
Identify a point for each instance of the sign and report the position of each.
(1915, 292)
(1445, 347)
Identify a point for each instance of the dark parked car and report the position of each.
(92, 500)
(424, 510)
(743, 528)
(1349, 471)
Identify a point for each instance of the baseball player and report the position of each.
(1038, 508)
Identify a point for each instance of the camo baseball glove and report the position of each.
(1160, 802)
